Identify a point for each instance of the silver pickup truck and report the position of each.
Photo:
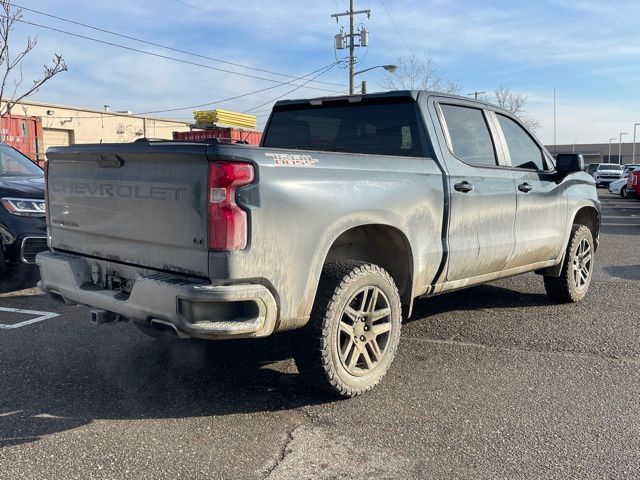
(350, 209)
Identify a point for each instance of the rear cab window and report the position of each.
(377, 128)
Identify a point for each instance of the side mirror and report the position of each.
(569, 163)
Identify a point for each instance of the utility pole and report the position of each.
(475, 94)
(609, 158)
(554, 120)
(633, 155)
(340, 39)
(620, 148)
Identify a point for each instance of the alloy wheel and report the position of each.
(363, 331)
(582, 264)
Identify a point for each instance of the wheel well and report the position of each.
(381, 245)
(588, 216)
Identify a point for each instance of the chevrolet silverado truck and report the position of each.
(351, 208)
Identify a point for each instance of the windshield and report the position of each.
(15, 164)
(612, 166)
(383, 129)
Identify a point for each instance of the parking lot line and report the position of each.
(40, 316)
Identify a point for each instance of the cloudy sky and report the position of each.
(589, 50)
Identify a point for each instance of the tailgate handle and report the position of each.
(111, 161)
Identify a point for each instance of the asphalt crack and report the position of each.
(282, 453)
(567, 354)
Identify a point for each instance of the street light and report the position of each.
(609, 157)
(633, 155)
(388, 68)
(620, 148)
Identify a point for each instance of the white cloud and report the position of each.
(523, 41)
(583, 121)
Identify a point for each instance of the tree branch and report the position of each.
(7, 65)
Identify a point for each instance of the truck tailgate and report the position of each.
(138, 203)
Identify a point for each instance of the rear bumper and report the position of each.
(195, 309)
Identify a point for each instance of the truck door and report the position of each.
(482, 194)
(541, 212)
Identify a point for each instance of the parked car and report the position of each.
(22, 215)
(604, 173)
(619, 187)
(630, 167)
(351, 208)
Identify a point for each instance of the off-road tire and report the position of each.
(563, 289)
(320, 346)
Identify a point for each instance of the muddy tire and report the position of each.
(577, 268)
(354, 329)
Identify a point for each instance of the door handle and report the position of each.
(525, 187)
(464, 187)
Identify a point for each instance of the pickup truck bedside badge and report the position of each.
(292, 160)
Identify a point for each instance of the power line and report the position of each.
(247, 94)
(396, 27)
(218, 16)
(147, 42)
(292, 90)
(159, 55)
(322, 70)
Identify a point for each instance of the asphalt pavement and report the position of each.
(490, 382)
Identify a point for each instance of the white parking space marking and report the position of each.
(40, 316)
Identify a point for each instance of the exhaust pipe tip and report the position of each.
(165, 326)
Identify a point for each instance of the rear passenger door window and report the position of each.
(524, 152)
(469, 135)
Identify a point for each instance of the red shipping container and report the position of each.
(224, 134)
(22, 133)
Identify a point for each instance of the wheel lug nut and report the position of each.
(362, 337)
(366, 327)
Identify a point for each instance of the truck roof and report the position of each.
(412, 94)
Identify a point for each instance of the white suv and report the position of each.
(605, 173)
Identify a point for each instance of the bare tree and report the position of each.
(11, 63)
(419, 73)
(514, 103)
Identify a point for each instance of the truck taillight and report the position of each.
(227, 221)
(46, 193)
